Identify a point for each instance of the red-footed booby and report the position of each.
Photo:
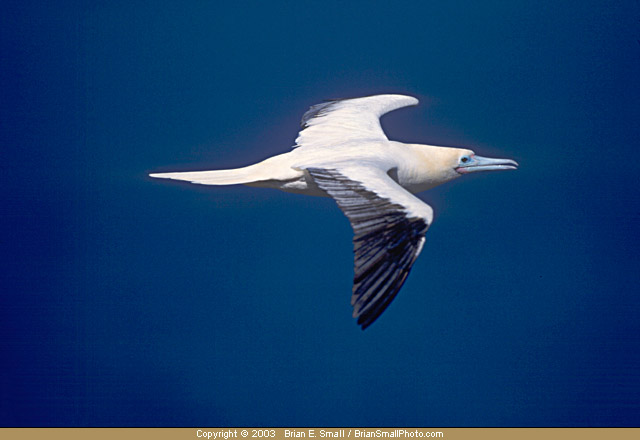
(342, 152)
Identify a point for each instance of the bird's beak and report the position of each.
(479, 163)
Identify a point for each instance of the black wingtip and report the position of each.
(365, 325)
(317, 110)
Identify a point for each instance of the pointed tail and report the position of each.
(216, 177)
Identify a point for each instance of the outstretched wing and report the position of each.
(389, 226)
(343, 120)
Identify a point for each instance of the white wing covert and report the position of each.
(389, 226)
(343, 120)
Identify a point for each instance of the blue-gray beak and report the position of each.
(475, 163)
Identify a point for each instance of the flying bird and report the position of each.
(342, 152)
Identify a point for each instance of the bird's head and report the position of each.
(442, 164)
(466, 161)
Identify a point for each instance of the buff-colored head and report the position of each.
(442, 164)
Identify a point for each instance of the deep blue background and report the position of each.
(129, 301)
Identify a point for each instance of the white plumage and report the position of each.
(342, 152)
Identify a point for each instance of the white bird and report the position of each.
(341, 151)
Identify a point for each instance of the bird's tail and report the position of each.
(216, 177)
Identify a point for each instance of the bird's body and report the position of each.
(286, 171)
(343, 153)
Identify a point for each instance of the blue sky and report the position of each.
(134, 302)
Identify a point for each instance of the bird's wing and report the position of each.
(344, 120)
(389, 226)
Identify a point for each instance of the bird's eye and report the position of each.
(465, 159)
